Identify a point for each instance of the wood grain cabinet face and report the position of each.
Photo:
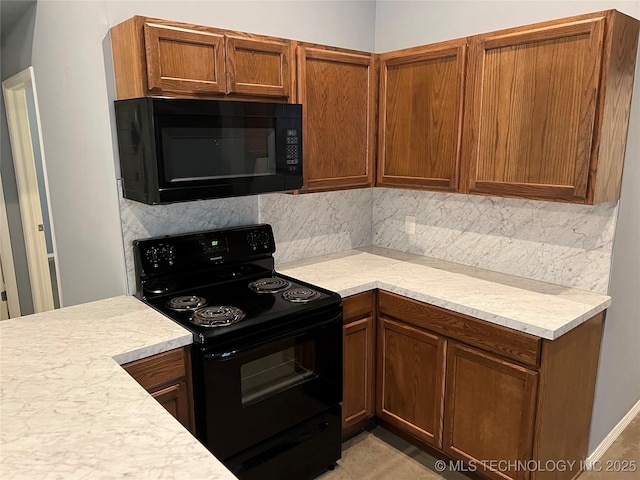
(358, 360)
(167, 377)
(420, 121)
(184, 61)
(489, 410)
(410, 385)
(337, 89)
(540, 102)
(161, 57)
(258, 67)
(357, 403)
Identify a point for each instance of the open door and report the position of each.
(23, 121)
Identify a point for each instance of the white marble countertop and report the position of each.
(69, 411)
(538, 308)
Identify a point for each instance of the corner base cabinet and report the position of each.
(167, 377)
(492, 397)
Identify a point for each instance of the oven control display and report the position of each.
(214, 245)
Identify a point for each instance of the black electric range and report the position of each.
(267, 351)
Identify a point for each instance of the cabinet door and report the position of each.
(358, 364)
(532, 96)
(489, 410)
(410, 386)
(183, 61)
(167, 377)
(175, 399)
(258, 67)
(338, 94)
(421, 100)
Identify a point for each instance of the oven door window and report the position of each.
(234, 149)
(277, 372)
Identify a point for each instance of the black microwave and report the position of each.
(175, 150)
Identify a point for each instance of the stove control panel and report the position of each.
(202, 249)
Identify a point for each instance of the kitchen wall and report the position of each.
(553, 242)
(317, 223)
(72, 62)
(16, 56)
(301, 229)
(401, 24)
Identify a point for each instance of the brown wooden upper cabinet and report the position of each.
(547, 109)
(338, 91)
(160, 57)
(420, 121)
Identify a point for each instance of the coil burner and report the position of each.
(218, 316)
(270, 285)
(186, 303)
(300, 295)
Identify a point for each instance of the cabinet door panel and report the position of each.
(258, 67)
(338, 95)
(175, 399)
(533, 96)
(421, 98)
(184, 61)
(410, 383)
(357, 403)
(489, 409)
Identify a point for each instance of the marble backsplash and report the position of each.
(143, 221)
(565, 244)
(314, 224)
(304, 225)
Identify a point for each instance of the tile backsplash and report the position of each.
(565, 244)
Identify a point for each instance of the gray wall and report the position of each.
(405, 24)
(72, 62)
(16, 56)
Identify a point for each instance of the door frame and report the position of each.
(6, 261)
(20, 133)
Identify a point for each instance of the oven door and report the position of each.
(256, 391)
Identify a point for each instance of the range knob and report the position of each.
(169, 254)
(252, 240)
(153, 256)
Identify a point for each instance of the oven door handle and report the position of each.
(287, 334)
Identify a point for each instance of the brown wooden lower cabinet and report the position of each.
(358, 361)
(410, 379)
(489, 410)
(501, 401)
(167, 377)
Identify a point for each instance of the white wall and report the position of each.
(72, 62)
(401, 24)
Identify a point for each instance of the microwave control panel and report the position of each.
(293, 150)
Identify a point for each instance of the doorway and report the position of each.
(23, 121)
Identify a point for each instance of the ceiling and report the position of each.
(11, 11)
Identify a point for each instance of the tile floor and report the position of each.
(380, 455)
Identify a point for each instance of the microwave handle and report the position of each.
(229, 354)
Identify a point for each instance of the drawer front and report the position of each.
(158, 370)
(518, 346)
(357, 306)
